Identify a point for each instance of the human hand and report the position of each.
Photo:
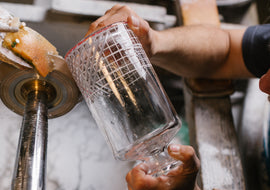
(181, 178)
(139, 26)
(264, 83)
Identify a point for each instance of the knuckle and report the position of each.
(101, 24)
(93, 25)
(140, 185)
(113, 9)
(190, 152)
(128, 176)
(126, 8)
(109, 10)
(191, 157)
(117, 6)
(134, 171)
(197, 164)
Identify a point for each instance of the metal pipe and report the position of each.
(30, 166)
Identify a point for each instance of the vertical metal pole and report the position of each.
(30, 166)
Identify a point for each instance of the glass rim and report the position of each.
(93, 34)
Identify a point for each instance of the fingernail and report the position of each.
(174, 148)
(135, 21)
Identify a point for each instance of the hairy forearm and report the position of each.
(197, 51)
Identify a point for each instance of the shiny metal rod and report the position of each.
(30, 166)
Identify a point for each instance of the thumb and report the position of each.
(186, 154)
(134, 24)
(264, 82)
(139, 26)
(181, 152)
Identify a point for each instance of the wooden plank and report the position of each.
(213, 135)
(26, 12)
(252, 135)
(199, 12)
(19, 1)
(263, 10)
(232, 2)
(98, 8)
(209, 116)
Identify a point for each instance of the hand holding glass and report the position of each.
(125, 96)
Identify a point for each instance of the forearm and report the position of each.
(199, 51)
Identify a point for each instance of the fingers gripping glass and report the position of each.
(125, 96)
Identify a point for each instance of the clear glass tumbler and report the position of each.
(125, 97)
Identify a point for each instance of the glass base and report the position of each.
(161, 163)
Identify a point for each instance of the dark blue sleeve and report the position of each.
(255, 49)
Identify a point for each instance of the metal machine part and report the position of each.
(36, 99)
(66, 94)
(30, 168)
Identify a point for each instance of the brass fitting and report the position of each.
(59, 86)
